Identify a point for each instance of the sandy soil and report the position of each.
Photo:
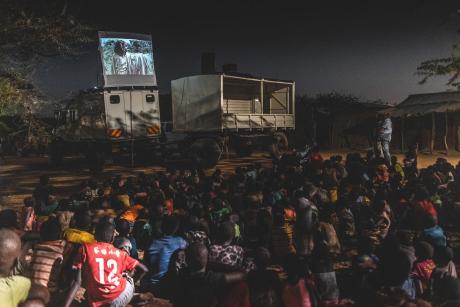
(19, 176)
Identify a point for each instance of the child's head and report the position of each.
(10, 250)
(29, 202)
(406, 237)
(226, 232)
(429, 221)
(394, 160)
(44, 179)
(50, 230)
(396, 269)
(8, 219)
(423, 251)
(123, 227)
(262, 258)
(83, 220)
(421, 193)
(170, 225)
(105, 232)
(197, 256)
(442, 256)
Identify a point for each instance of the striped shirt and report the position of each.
(282, 240)
(46, 263)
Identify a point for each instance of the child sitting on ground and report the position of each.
(444, 265)
(124, 240)
(15, 289)
(46, 263)
(101, 267)
(423, 267)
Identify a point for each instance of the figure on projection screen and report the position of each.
(129, 63)
(120, 59)
(137, 63)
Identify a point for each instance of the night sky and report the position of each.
(367, 48)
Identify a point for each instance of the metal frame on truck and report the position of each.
(221, 111)
(220, 102)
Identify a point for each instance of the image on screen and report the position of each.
(126, 56)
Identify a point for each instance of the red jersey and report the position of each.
(427, 207)
(102, 266)
(423, 270)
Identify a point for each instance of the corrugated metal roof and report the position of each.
(419, 99)
(421, 104)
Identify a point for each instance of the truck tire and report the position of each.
(279, 145)
(56, 154)
(205, 153)
(242, 147)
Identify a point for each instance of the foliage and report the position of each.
(337, 101)
(11, 98)
(29, 32)
(449, 66)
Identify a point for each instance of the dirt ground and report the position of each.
(19, 176)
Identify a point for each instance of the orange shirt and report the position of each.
(132, 213)
(168, 204)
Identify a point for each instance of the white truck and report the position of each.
(124, 115)
(211, 112)
(221, 111)
(101, 123)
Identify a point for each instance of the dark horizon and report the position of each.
(368, 50)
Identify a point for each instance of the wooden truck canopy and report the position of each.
(220, 102)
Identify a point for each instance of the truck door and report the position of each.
(145, 113)
(115, 114)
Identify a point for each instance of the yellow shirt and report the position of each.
(13, 290)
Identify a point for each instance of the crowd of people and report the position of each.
(355, 230)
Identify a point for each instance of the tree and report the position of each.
(448, 66)
(31, 31)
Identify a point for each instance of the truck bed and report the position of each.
(257, 121)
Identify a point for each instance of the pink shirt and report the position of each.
(296, 295)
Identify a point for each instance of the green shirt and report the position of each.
(13, 290)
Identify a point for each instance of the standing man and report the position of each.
(383, 134)
(138, 63)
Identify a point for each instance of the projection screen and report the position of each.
(127, 59)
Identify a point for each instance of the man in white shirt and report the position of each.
(120, 59)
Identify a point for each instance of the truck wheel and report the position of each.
(242, 147)
(205, 152)
(279, 145)
(55, 153)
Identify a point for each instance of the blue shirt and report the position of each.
(158, 255)
(133, 253)
(409, 287)
(435, 235)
